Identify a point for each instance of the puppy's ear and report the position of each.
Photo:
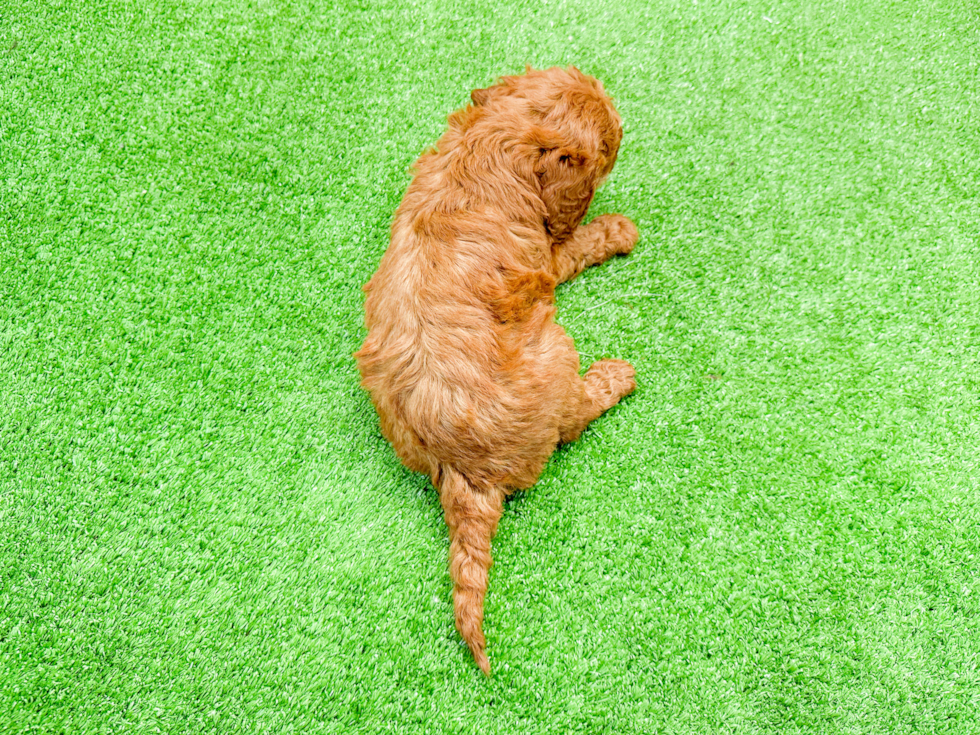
(568, 176)
(555, 151)
(561, 162)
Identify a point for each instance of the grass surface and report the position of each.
(201, 528)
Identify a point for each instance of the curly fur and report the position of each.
(474, 382)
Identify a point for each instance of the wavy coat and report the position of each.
(474, 382)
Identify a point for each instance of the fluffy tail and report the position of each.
(471, 514)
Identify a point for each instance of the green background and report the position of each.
(201, 527)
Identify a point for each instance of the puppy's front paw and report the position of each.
(621, 233)
(607, 381)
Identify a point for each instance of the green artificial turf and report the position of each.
(201, 527)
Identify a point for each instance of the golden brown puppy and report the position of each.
(474, 381)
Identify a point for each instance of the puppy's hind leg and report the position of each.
(596, 242)
(605, 383)
(472, 515)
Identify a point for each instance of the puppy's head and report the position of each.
(571, 128)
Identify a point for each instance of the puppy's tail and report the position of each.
(471, 514)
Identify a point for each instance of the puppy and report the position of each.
(473, 380)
